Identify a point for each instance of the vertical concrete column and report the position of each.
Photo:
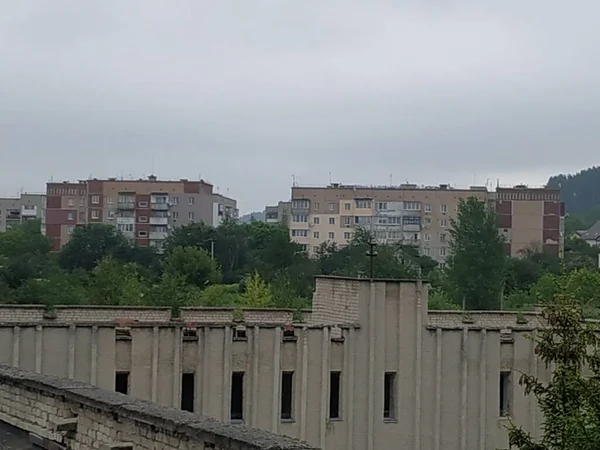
(463, 388)
(349, 369)
(205, 366)
(438, 388)
(533, 370)
(371, 379)
(16, 346)
(482, 390)
(324, 385)
(276, 379)
(226, 374)
(154, 368)
(71, 360)
(94, 356)
(255, 374)
(304, 378)
(39, 334)
(418, 359)
(199, 370)
(177, 368)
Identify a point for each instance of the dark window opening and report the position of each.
(122, 382)
(389, 395)
(122, 334)
(237, 396)
(289, 334)
(334, 394)
(287, 383)
(504, 394)
(190, 334)
(187, 391)
(239, 334)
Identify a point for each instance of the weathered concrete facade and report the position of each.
(370, 366)
(66, 414)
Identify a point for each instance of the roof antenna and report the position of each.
(329, 177)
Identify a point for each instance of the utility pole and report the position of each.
(372, 253)
(212, 249)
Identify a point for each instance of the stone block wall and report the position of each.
(62, 413)
(336, 301)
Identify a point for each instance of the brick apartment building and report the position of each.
(420, 216)
(144, 210)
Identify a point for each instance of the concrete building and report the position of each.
(531, 218)
(224, 208)
(421, 215)
(144, 210)
(15, 210)
(279, 213)
(368, 368)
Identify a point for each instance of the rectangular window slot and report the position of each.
(289, 334)
(237, 396)
(505, 393)
(122, 334)
(389, 395)
(287, 395)
(334, 394)
(239, 334)
(188, 385)
(122, 382)
(190, 334)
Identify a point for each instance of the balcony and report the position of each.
(30, 211)
(159, 206)
(158, 235)
(124, 220)
(159, 220)
(126, 205)
(411, 227)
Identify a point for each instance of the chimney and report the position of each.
(152, 178)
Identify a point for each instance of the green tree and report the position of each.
(114, 283)
(193, 265)
(257, 292)
(220, 295)
(477, 259)
(570, 400)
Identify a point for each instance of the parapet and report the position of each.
(73, 414)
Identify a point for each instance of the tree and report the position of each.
(257, 292)
(114, 283)
(193, 265)
(477, 258)
(570, 401)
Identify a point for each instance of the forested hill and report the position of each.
(581, 191)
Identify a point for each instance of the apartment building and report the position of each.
(144, 210)
(368, 368)
(279, 213)
(406, 214)
(15, 210)
(421, 216)
(531, 218)
(224, 208)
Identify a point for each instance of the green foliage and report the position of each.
(580, 191)
(257, 292)
(193, 265)
(440, 300)
(570, 400)
(476, 267)
(220, 295)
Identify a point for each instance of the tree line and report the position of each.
(256, 264)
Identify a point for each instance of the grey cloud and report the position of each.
(248, 93)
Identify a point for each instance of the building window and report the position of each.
(110, 200)
(331, 235)
(389, 395)
(300, 233)
(187, 391)
(382, 206)
(347, 220)
(95, 214)
(427, 237)
(427, 251)
(334, 394)
(70, 216)
(301, 218)
(304, 247)
(95, 199)
(287, 395)
(191, 200)
(237, 396)
(505, 393)
(347, 235)
(443, 223)
(316, 220)
(70, 230)
(300, 204)
(427, 208)
(315, 234)
(363, 204)
(175, 215)
(122, 382)
(442, 237)
(412, 206)
(332, 221)
(70, 202)
(442, 251)
(125, 227)
(316, 206)
(191, 215)
(143, 219)
(331, 207)
(443, 209)
(143, 204)
(347, 206)
(426, 222)
(111, 214)
(142, 233)
(175, 200)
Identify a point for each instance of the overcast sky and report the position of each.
(247, 93)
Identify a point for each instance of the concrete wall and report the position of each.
(78, 416)
(447, 366)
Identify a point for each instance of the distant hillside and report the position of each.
(258, 216)
(581, 191)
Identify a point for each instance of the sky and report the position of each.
(250, 95)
